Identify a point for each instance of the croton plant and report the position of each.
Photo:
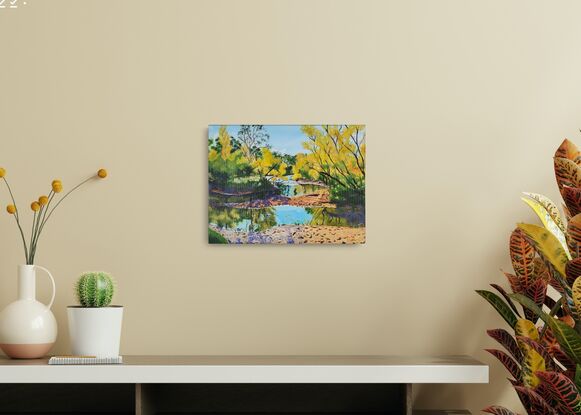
(542, 349)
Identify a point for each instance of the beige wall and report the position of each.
(464, 101)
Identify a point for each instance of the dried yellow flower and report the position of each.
(35, 206)
(2, 172)
(43, 200)
(57, 186)
(102, 173)
(11, 209)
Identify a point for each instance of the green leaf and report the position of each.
(567, 337)
(500, 306)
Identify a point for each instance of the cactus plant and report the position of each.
(95, 289)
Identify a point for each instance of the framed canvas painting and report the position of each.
(286, 184)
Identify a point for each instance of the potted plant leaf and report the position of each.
(542, 348)
(95, 325)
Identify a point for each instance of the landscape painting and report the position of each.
(286, 184)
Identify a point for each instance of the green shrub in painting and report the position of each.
(215, 238)
(336, 156)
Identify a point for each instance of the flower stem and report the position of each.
(17, 218)
(44, 220)
(35, 243)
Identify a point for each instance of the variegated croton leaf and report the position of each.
(572, 198)
(568, 150)
(541, 270)
(536, 291)
(566, 336)
(514, 282)
(522, 255)
(504, 294)
(555, 350)
(540, 349)
(564, 395)
(532, 361)
(533, 402)
(574, 235)
(498, 410)
(550, 343)
(546, 210)
(566, 212)
(508, 362)
(547, 246)
(500, 306)
(505, 339)
(573, 270)
(576, 294)
(567, 172)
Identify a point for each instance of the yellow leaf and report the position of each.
(547, 245)
(532, 360)
(577, 296)
(526, 328)
(547, 220)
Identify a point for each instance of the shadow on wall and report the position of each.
(465, 332)
(471, 339)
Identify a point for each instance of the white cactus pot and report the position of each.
(95, 331)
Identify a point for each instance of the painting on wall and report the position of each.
(286, 184)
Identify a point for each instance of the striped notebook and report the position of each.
(85, 360)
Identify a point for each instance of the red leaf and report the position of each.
(522, 255)
(536, 291)
(498, 410)
(509, 363)
(572, 197)
(540, 349)
(574, 235)
(507, 341)
(573, 270)
(568, 150)
(514, 282)
(533, 402)
(563, 392)
(507, 298)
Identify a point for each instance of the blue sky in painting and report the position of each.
(283, 138)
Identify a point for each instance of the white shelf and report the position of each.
(254, 369)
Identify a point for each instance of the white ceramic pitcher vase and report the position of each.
(28, 328)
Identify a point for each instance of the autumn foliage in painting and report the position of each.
(336, 155)
(543, 308)
(312, 193)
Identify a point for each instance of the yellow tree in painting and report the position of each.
(269, 165)
(336, 155)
